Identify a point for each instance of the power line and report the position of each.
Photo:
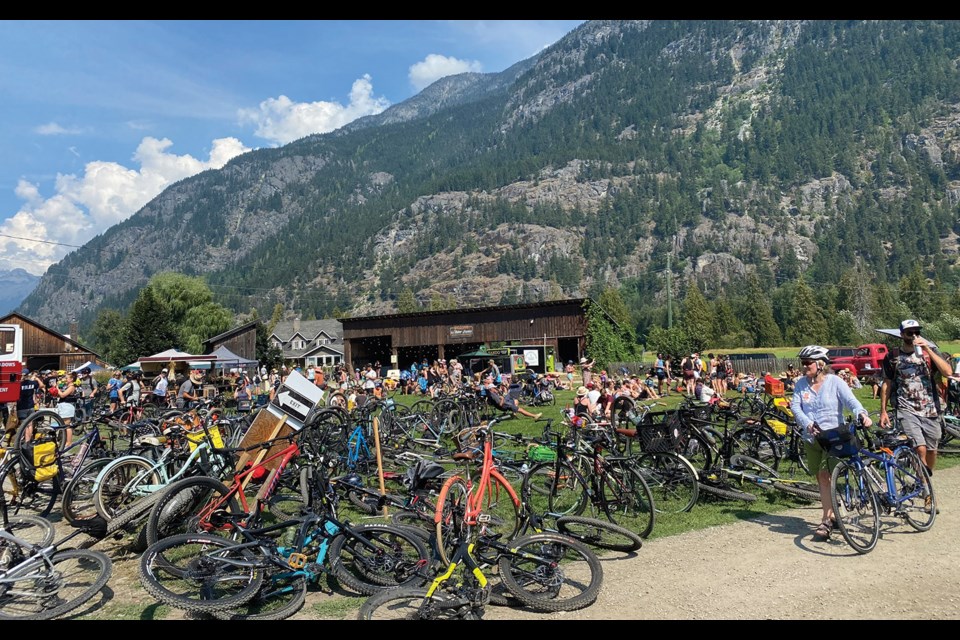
(62, 244)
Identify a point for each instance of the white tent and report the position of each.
(227, 359)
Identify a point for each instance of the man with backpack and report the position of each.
(909, 376)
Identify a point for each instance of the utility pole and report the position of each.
(669, 293)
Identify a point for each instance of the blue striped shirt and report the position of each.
(825, 407)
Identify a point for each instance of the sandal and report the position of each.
(824, 529)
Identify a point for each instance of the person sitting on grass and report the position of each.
(504, 401)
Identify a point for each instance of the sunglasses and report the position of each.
(807, 363)
(912, 334)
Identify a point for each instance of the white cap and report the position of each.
(909, 324)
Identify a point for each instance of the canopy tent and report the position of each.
(180, 361)
(224, 358)
(94, 367)
(133, 366)
(479, 353)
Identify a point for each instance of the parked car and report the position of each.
(841, 352)
(866, 361)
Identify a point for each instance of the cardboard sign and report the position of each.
(297, 399)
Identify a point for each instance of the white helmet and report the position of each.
(814, 352)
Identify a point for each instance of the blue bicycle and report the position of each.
(885, 477)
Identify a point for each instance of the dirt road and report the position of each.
(772, 568)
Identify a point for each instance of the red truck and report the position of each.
(865, 362)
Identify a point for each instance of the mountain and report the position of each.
(738, 155)
(15, 285)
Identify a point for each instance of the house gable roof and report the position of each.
(232, 332)
(6, 320)
(309, 329)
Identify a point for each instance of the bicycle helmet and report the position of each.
(814, 352)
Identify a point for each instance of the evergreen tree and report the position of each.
(757, 316)
(107, 334)
(807, 322)
(275, 317)
(148, 328)
(696, 318)
(268, 354)
(406, 302)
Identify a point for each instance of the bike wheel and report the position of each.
(754, 472)
(599, 533)
(808, 491)
(200, 573)
(412, 603)
(448, 517)
(672, 480)
(281, 596)
(697, 451)
(855, 507)
(371, 557)
(73, 577)
(950, 438)
(77, 503)
(551, 572)
(711, 485)
(911, 478)
(119, 485)
(555, 488)
(32, 529)
(626, 499)
(755, 441)
(191, 505)
(24, 495)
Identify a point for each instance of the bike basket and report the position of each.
(658, 437)
(839, 443)
(541, 453)
(194, 438)
(773, 388)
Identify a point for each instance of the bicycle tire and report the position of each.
(909, 472)
(808, 491)
(626, 498)
(412, 603)
(395, 563)
(599, 533)
(855, 506)
(179, 508)
(32, 529)
(79, 574)
(114, 491)
(281, 596)
(77, 502)
(564, 575)
(672, 479)
(726, 493)
(25, 496)
(756, 442)
(555, 488)
(697, 451)
(181, 571)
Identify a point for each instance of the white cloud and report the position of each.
(107, 193)
(281, 120)
(54, 129)
(434, 66)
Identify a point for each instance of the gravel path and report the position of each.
(771, 568)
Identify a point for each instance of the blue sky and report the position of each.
(100, 116)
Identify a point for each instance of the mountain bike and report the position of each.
(39, 580)
(263, 574)
(581, 478)
(865, 483)
(546, 571)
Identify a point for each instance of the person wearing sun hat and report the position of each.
(911, 374)
(189, 392)
(581, 403)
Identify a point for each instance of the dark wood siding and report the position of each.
(44, 348)
(243, 344)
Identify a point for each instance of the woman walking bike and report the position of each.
(819, 399)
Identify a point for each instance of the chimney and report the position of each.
(296, 324)
(74, 330)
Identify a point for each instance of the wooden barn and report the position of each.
(544, 333)
(240, 340)
(44, 348)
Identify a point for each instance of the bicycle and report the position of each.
(488, 512)
(581, 477)
(38, 579)
(890, 478)
(264, 575)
